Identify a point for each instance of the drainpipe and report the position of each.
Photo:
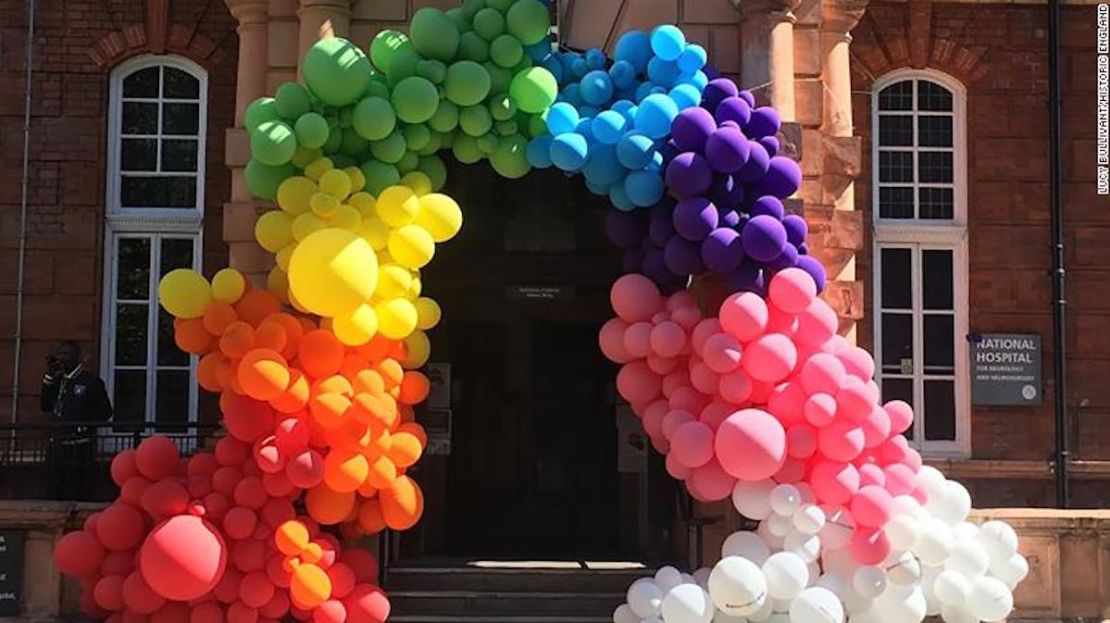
(1059, 272)
(18, 337)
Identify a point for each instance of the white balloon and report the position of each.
(928, 584)
(654, 620)
(814, 569)
(838, 528)
(902, 531)
(787, 575)
(931, 478)
(908, 505)
(722, 617)
(951, 588)
(687, 603)
(773, 541)
(816, 605)
(689, 579)
(785, 499)
(806, 546)
(809, 519)
(624, 614)
(779, 525)
(952, 503)
(989, 599)
(968, 558)
(806, 493)
(999, 539)
(737, 586)
(764, 612)
(900, 605)
(781, 605)
(645, 598)
(839, 561)
(835, 581)
(957, 614)
(701, 576)
(855, 604)
(778, 617)
(747, 545)
(667, 578)
(1011, 571)
(869, 582)
(934, 542)
(905, 570)
(753, 499)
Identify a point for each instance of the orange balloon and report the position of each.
(405, 449)
(406, 414)
(368, 381)
(270, 335)
(294, 331)
(351, 531)
(329, 410)
(256, 305)
(415, 429)
(370, 517)
(414, 388)
(378, 410)
(335, 384)
(392, 373)
(344, 471)
(367, 491)
(376, 349)
(217, 316)
(291, 537)
(353, 363)
(191, 336)
(295, 396)
(350, 435)
(402, 503)
(327, 506)
(237, 340)
(263, 374)
(382, 473)
(208, 372)
(309, 587)
(320, 353)
(226, 372)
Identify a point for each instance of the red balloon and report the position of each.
(277, 485)
(363, 563)
(120, 527)
(241, 613)
(207, 612)
(239, 522)
(249, 555)
(246, 419)
(78, 554)
(90, 523)
(342, 580)
(118, 563)
(215, 506)
(277, 607)
(108, 592)
(268, 456)
(249, 492)
(277, 572)
(202, 464)
(183, 558)
(200, 485)
(300, 615)
(367, 604)
(129, 616)
(305, 469)
(172, 612)
(132, 491)
(331, 611)
(256, 590)
(165, 498)
(225, 479)
(277, 512)
(329, 547)
(138, 595)
(291, 436)
(89, 605)
(227, 590)
(156, 458)
(232, 452)
(123, 467)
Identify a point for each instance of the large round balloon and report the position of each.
(332, 272)
(183, 558)
(336, 71)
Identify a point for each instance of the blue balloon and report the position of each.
(595, 59)
(634, 46)
(585, 127)
(567, 59)
(571, 94)
(644, 188)
(568, 151)
(538, 152)
(552, 64)
(588, 112)
(602, 166)
(562, 118)
(596, 88)
(597, 188)
(686, 96)
(635, 150)
(668, 42)
(692, 58)
(579, 68)
(622, 107)
(663, 73)
(655, 115)
(623, 74)
(619, 198)
(698, 79)
(540, 50)
(608, 127)
(645, 89)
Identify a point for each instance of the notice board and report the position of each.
(11, 572)
(1005, 369)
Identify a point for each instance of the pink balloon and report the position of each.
(876, 427)
(869, 546)
(901, 416)
(675, 468)
(667, 339)
(702, 332)
(792, 290)
(913, 459)
(823, 373)
(840, 441)
(919, 494)
(703, 379)
(791, 472)
(801, 441)
(751, 445)
(637, 383)
(687, 317)
(661, 365)
(900, 479)
(692, 444)
(781, 322)
(331, 611)
(820, 410)
(661, 445)
(611, 340)
(673, 420)
(677, 379)
(735, 387)
(653, 418)
(871, 474)
(714, 413)
(688, 399)
(635, 298)
(854, 401)
(680, 300)
(858, 362)
(710, 483)
(834, 482)
(769, 358)
(816, 324)
(761, 392)
(744, 315)
(722, 353)
(787, 402)
(183, 558)
(637, 339)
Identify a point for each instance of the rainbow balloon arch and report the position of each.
(758, 399)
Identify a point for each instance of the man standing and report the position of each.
(76, 401)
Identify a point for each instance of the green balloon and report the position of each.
(534, 89)
(385, 45)
(529, 21)
(447, 139)
(471, 7)
(433, 34)
(499, 77)
(460, 19)
(473, 48)
(415, 99)
(488, 143)
(508, 158)
(502, 107)
(344, 117)
(260, 111)
(506, 51)
(475, 120)
(525, 63)
(312, 130)
(292, 100)
(403, 66)
(506, 128)
(304, 156)
(446, 117)
(377, 88)
(408, 162)
(334, 142)
(378, 176)
(433, 71)
(433, 167)
(489, 24)
(273, 143)
(466, 149)
(416, 136)
(500, 5)
(353, 143)
(536, 125)
(390, 149)
(336, 71)
(468, 83)
(263, 180)
(342, 161)
(374, 118)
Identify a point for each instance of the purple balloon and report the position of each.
(771, 144)
(747, 97)
(747, 278)
(726, 192)
(691, 128)
(711, 72)
(632, 260)
(803, 249)
(733, 109)
(669, 151)
(716, 92)
(764, 121)
(661, 227)
(655, 267)
(727, 150)
(796, 229)
(788, 259)
(722, 250)
(688, 175)
(764, 238)
(771, 206)
(683, 257)
(815, 270)
(694, 218)
(756, 166)
(783, 177)
(626, 229)
(732, 219)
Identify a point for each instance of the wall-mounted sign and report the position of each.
(1005, 369)
(437, 425)
(539, 293)
(439, 379)
(11, 572)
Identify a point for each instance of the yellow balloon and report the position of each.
(394, 281)
(345, 217)
(278, 283)
(323, 204)
(282, 257)
(358, 179)
(440, 215)
(396, 318)
(416, 288)
(307, 224)
(185, 293)
(357, 328)
(228, 285)
(397, 206)
(274, 230)
(332, 272)
(375, 232)
(418, 349)
(411, 246)
(310, 586)
(418, 181)
(428, 313)
(317, 168)
(336, 183)
(294, 194)
(364, 203)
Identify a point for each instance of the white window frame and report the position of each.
(921, 235)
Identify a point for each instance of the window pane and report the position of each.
(895, 131)
(168, 352)
(176, 253)
(179, 155)
(158, 192)
(933, 97)
(934, 166)
(131, 332)
(896, 285)
(934, 131)
(897, 96)
(897, 343)
(936, 203)
(896, 202)
(142, 83)
(180, 119)
(172, 402)
(138, 154)
(895, 166)
(899, 389)
(133, 272)
(139, 118)
(939, 344)
(129, 396)
(936, 266)
(940, 411)
(179, 84)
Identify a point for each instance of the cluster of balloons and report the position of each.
(205, 540)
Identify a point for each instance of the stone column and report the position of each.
(320, 19)
(767, 51)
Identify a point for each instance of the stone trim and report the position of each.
(971, 469)
(155, 36)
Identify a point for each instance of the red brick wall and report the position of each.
(1000, 54)
(76, 45)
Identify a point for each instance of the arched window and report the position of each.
(154, 210)
(919, 207)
